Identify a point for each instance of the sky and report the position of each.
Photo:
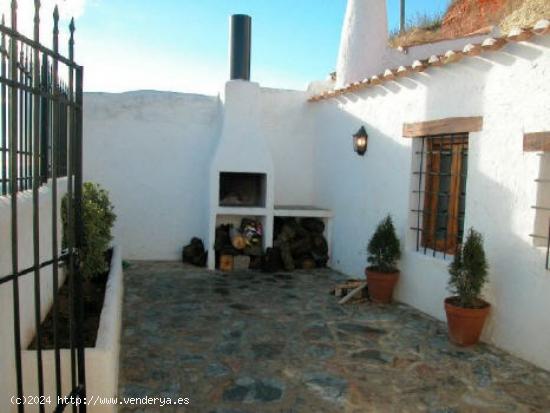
(181, 45)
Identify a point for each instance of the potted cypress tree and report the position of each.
(466, 310)
(383, 252)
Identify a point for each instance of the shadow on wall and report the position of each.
(541, 229)
(152, 151)
(519, 284)
(356, 187)
(500, 188)
(367, 189)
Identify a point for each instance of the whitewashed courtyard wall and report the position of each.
(511, 90)
(289, 129)
(26, 282)
(152, 151)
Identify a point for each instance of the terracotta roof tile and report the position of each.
(542, 27)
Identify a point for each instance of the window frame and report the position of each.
(455, 145)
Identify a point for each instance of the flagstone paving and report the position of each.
(251, 343)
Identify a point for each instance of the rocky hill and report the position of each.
(471, 16)
(467, 17)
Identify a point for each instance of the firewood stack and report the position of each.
(232, 242)
(298, 243)
(301, 243)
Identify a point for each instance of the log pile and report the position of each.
(300, 243)
(246, 240)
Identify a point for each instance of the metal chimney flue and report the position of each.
(240, 44)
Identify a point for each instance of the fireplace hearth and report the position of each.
(242, 189)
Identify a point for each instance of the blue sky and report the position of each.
(181, 45)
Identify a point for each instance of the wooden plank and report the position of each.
(443, 126)
(342, 289)
(352, 293)
(536, 142)
(241, 262)
(226, 263)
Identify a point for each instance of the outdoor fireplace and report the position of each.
(242, 189)
(241, 208)
(241, 172)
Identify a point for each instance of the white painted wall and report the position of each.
(26, 282)
(511, 90)
(152, 151)
(363, 41)
(289, 130)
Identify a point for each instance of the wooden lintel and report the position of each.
(536, 142)
(442, 126)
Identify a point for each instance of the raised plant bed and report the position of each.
(93, 295)
(102, 356)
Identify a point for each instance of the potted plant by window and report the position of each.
(466, 310)
(383, 252)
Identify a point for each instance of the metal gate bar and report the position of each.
(54, 173)
(12, 133)
(41, 141)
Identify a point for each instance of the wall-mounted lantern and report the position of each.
(360, 141)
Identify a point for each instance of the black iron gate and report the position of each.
(41, 142)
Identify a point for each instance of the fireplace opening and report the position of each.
(239, 189)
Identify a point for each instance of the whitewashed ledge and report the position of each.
(102, 361)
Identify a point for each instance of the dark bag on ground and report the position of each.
(194, 253)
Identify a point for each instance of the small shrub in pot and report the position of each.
(466, 310)
(383, 251)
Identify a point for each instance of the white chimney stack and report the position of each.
(364, 41)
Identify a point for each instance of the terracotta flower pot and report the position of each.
(465, 324)
(381, 285)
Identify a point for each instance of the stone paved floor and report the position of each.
(253, 342)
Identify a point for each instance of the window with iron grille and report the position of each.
(541, 229)
(440, 193)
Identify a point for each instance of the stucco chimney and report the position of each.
(364, 41)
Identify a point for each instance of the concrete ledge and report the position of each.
(102, 361)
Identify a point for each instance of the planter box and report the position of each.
(102, 361)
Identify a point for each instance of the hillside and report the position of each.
(467, 17)
(526, 14)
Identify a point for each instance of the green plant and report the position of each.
(422, 27)
(98, 219)
(421, 21)
(384, 249)
(427, 21)
(469, 271)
